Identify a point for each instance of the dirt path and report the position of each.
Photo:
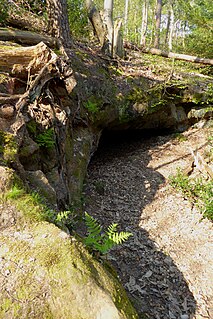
(167, 266)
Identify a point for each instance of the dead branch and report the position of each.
(178, 56)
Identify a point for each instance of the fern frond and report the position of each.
(119, 238)
(94, 228)
(107, 245)
(103, 242)
(111, 230)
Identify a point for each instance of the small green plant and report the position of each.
(3, 10)
(31, 204)
(66, 218)
(46, 139)
(180, 137)
(91, 106)
(197, 191)
(101, 241)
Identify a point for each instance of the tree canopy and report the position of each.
(170, 25)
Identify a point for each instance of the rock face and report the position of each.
(50, 127)
(53, 129)
(47, 274)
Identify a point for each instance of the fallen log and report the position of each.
(24, 61)
(37, 65)
(26, 37)
(178, 56)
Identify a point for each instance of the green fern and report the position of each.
(46, 139)
(103, 241)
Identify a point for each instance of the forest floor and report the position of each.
(167, 265)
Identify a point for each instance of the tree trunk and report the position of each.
(118, 39)
(126, 17)
(157, 24)
(171, 30)
(58, 24)
(168, 27)
(108, 21)
(178, 56)
(96, 21)
(39, 61)
(27, 37)
(144, 23)
(25, 60)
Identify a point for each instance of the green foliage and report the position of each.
(32, 127)
(91, 106)
(78, 19)
(197, 191)
(3, 10)
(35, 6)
(103, 241)
(8, 146)
(66, 218)
(30, 204)
(15, 192)
(46, 139)
(180, 137)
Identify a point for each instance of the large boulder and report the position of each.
(46, 273)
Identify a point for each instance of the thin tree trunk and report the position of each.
(96, 21)
(118, 39)
(126, 18)
(152, 28)
(108, 20)
(184, 34)
(168, 27)
(144, 23)
(171, 31)
(157, 24)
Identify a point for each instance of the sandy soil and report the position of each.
(167, 266)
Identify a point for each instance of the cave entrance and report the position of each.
(124, 186)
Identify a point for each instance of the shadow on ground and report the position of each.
(119, 185)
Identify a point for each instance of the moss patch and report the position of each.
(8, 147)
(53, 276)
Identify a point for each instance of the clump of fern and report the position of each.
(101, 241)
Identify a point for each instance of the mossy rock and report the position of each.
(48, 274)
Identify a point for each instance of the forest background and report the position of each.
(170, 25)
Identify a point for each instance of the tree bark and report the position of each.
(27, 37)
(96, 21)
(20, 61)
(58, 24)
(178, 56)
(108, 20)
(36, 65)
(157, 24)
(144, 22)
(171, 29)
(126, 17)
(118, 39)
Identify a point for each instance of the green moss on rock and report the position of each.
(8, 147)
(51, 275)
